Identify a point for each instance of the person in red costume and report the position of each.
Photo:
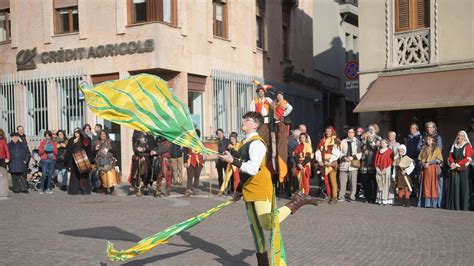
(327, 154)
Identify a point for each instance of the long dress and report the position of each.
(429, 192)
(458, 185)
(385, 186)
(78, 183)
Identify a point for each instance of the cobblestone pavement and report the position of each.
(58, 229)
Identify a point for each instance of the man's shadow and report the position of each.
(115, 233)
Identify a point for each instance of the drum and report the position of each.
(82, 162)
(109, 178)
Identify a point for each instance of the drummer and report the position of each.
(79, 183)
(105, 152)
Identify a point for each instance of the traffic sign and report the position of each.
(352, 70)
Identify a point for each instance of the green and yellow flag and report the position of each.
(162, 237)
(144, 102)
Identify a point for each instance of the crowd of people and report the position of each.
(360, 164)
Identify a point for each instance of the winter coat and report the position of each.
(44, 154)
(19, 157)
(4, 152)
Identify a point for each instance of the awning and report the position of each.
(419, 91)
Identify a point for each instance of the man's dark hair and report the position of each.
(86, 125)
(198, 132)
(257, 117)
(99, 125)
(219, 129)
(48, 132)
(18, 127)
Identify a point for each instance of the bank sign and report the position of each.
(28, 58)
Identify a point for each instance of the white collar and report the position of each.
(248, 136)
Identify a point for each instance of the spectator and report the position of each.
(79, 183)
(293, 141)
(393, 144)
(232, 172)
(430, 158)
(20, 155)
(105, 157)
(88, 132)
(432, 130)
(370, 145)
(48, 150)
(351, 153)
(302, 128)
(383, 165)
(193, 163)
(360, 132)
(303, 155)
(411, 142)
(404, 165)
(327, 155)
(4, 152)
(97, 129)
(163, 159)
(61, 159)
(21, 131)
(177, 163)
(223, 143)
(458, 187)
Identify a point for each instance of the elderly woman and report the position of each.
(383, 165)
(460, 156)
(430, 159)
(404, 165)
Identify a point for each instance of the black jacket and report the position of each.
(19, 157)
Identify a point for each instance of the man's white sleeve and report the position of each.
(257, 151)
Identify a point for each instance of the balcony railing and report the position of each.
(411, 48)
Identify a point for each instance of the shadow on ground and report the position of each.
(114, 233)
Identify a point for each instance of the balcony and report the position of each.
(349, 11)
(411, 48)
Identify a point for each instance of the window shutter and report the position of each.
(402, 15)
(422, 13)
(151, 7)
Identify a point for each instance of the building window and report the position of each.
(286, 32)
(153, 10)
(5, 25)
(412, 14)
(220, 18)
(259, 22)
(66, 15)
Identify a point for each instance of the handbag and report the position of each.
(355, 163)
(287, 120)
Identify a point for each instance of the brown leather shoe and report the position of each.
(262, 259)
(333, 201)
(299, 199)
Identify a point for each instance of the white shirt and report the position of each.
(257, 151)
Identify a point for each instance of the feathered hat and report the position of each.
(259, 85)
